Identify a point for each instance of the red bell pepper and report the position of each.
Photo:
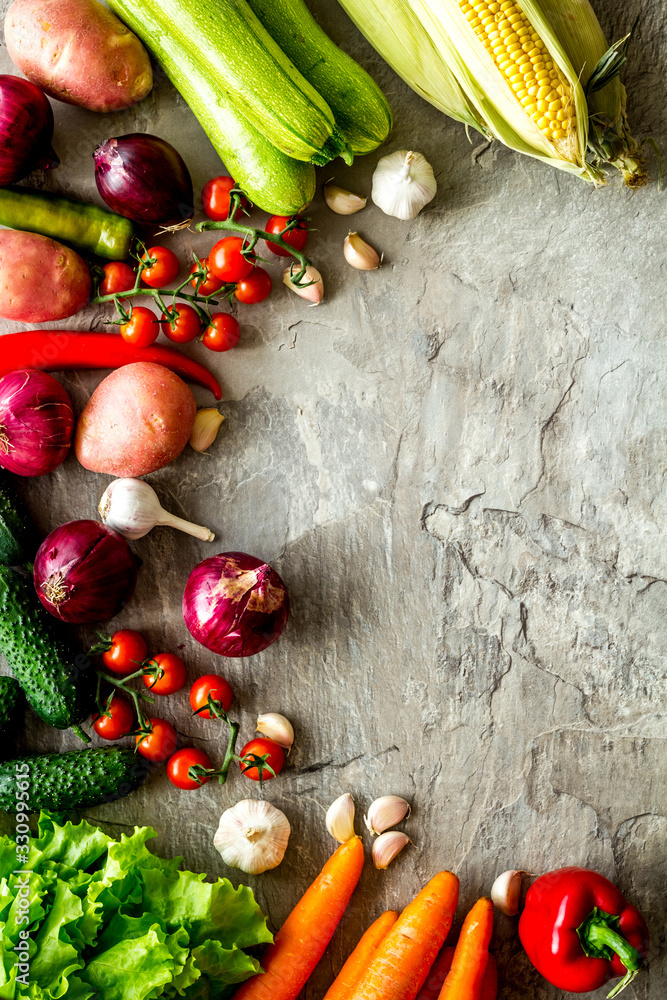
(579, 932)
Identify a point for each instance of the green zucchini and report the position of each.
(73, 780)
(38, 651)
(230, 46)
(82, 226)
(11, 703)
(18, 536)
(359, 106)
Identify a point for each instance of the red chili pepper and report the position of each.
(57, 350)
(579, 932)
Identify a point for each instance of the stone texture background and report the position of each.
(457, 465)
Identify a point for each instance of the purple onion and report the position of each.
(26, 130)
(84, 572)
(144, 179)
(36, 423)
(234, 604)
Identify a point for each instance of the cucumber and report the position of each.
(359, 106)
(18, 536)
(40, 655)
(73, 780)
(275, 182)
(231, 46)
(11, 704)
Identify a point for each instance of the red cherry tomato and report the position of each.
(142, 328)
(261, 747)
(226, 260)
(255, 288)
(222, 333)
(210, 283)
(118, 277)
(171, 676)
(163, 271)
(215, 686)
(297, 237)
(119, 722)
(160, 743)
(178, 768)
(185, 328)
(126, 653)
(215, 199)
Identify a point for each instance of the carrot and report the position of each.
(402, 962)
(443, 963)
(300, 942)
(471, 957)
(358, 961)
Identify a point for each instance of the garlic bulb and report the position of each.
(387, 846)
(313, 292)
(506, 891)
(386, 812)
(252, 836)
(360, 254)
(205, 428)
(131, 507)
(403, 183)
(340, 818)
(277, 728)
(342, 202)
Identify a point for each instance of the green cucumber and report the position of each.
(230, 46)
(18, 536)
(359, 106)
(11, 704)
(73, 780)
(39, 653)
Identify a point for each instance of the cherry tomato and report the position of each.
(297, 237)
(226, 260)
(210, 283)
(163, 271)
(261, 747)
(127, 652)
(142, 328)
(185, 328)
(119, 722)
(160, 743)
(179, 765)
(215, 199)
(222, 333)
(118, 277)
(255, 288)
(172, 677)
(215, 686)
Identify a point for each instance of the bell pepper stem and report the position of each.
(625, 981)
(599, 935)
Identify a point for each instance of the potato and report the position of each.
(138, 420)
(40, 280)
(78, 52)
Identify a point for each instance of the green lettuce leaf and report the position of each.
(133, 969)
(224, 966)
(77, 846)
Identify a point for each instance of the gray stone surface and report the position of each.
(456, 463)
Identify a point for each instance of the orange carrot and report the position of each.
(358, 961)
(443, 963)
(300, 942)
(471, 957)
(401, 964)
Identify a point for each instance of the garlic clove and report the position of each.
(506, 892)
(276, 727)
(387, 846)
(205, 430)
(360, 254)
(131, 507)
(403, 183)
(340, 818)
(342, 202)
(253, 836)
(385, 812)
(311, 286)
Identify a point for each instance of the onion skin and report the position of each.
(84, 572)
(26, 130)
(143, 178)
(235, 604)
(36, 423)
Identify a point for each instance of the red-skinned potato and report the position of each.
(78, 52)
(138, 420)
(40, 280)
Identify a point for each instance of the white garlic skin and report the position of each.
(387, 846)
(403, 183)
(343, 202)
(252, 836)
(276, 727)
(360, 254)
(385, 812)
(506, 892)
(340, 818)
(131, 507)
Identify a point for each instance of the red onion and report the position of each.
(36, 423)
(84, 572)
(26, 130)
(145, 179)
(234, 604)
